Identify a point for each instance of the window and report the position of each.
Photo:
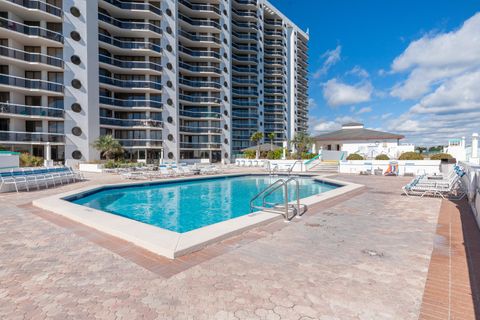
(33, 74)
(4, 96)
(3, 69)
(55, 77)
(55, 126)
(55, 52)
(32, 49)
(33, 126)
(4, 124)
(55, 102)
(33, 100)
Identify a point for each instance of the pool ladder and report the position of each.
(289, 211)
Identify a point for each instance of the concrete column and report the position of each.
(48, 155)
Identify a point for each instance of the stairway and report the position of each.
(324, 167)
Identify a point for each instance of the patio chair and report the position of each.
(7, 178)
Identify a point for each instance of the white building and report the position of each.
(173, 79)
(354, 138)
(458, 149)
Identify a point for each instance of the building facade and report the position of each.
(170, 79)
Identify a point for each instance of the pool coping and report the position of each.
(164, 242)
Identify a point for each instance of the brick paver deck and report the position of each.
(365, 257)
(452, 287)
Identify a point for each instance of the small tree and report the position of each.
(354, 156)
(271, 136)
(441, 156)
(256, 138)
(410, 155)
(302, 142)
(382, 157)
(108, 146)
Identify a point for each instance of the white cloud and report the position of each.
(312, 104)
(318, 126)
(364, 110)
(331, 58)
(359, 72)
(444, 77)
(436, 58)
(337, 93)
(386, 115)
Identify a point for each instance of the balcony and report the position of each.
(251, 81)
(31, 137)
(199, 53)
(252, 59)
(275, 101)
(245, 36)
(130, 103)
(245, 69)
(30, 30)
(245, 25)
(30, 84)
(145, 143)
(128, 25)
(237, 125)
(200, 7)
(135, 6)
(199, 22)
(272, 22)
(137, 45)
(199, 84)
(245, 47)
(196, 68)
(131, 84)
(30, 111)
(199, 38)
(245, 103)
(199, 114)
(189, 145)
(39, 5)
(204, 130)
(244, 114)
(199, 99)
(243, 92)
(144, 123)
(245, 13)
(247, 2)
(30, 57)
(130, 64)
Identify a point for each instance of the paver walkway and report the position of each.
(364, 258)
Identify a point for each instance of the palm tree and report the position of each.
(271, 136)
(256, 138)
(108, 146)
(302, 142)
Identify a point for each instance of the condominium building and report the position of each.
(170, 79)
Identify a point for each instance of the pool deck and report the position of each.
(371, 254)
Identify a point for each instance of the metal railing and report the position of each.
(144, 45)
(32, 111)
(31, 57)
(39, 5)
(34, 84)
(289, 211)
(30, 30)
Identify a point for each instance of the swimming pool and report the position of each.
(187, 205)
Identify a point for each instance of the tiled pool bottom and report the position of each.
(172, 244)
(188, 205)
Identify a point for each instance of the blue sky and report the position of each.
(407, 66)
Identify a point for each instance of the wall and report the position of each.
(9, 160)
(405, 166)
(471, 182)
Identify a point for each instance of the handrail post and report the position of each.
(286, 200)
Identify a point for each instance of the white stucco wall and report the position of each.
(415, 167)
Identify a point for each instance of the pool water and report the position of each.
(188, 205)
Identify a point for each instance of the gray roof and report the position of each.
(263, 147)
(357, 134)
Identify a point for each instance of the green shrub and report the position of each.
(27, 160)
(275, 155)
(354, 156)
(250, 154)
(111, 164)
(382, 157)
(441, 156)
(410, 156)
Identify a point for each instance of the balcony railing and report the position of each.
(242, 114)
(268, 100)
(189, 145)
(245, 13)
(18, 136)
(130, 64)
(245, 47)
(245, 36)
(33, 84)
(248, 103)
(244, 81)
(211, 130)
(199, 84)
(130, 44)
(199, 22)
(141, 142)
(131, 122)
(30, 30)
(199, 53)
(245, 92)
(273, 22)
(199, 99)
(30, 57)
(240, 125)
(245, 69)
(30, 111)
(130, 103)
(128, 24)
(245, 58)
(199, 114)
(39, 5)
(247, 2)
(246, 25)
(200, 7)
(195, 68)
(196, 37)
(133, 84)
(135, 6)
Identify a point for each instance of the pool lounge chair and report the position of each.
(453, 190)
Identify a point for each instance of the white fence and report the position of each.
(9, 160)
(472, 184)
(408, 167)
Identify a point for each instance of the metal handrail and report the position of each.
(286, 185)
(263, 191)
(289, 171)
